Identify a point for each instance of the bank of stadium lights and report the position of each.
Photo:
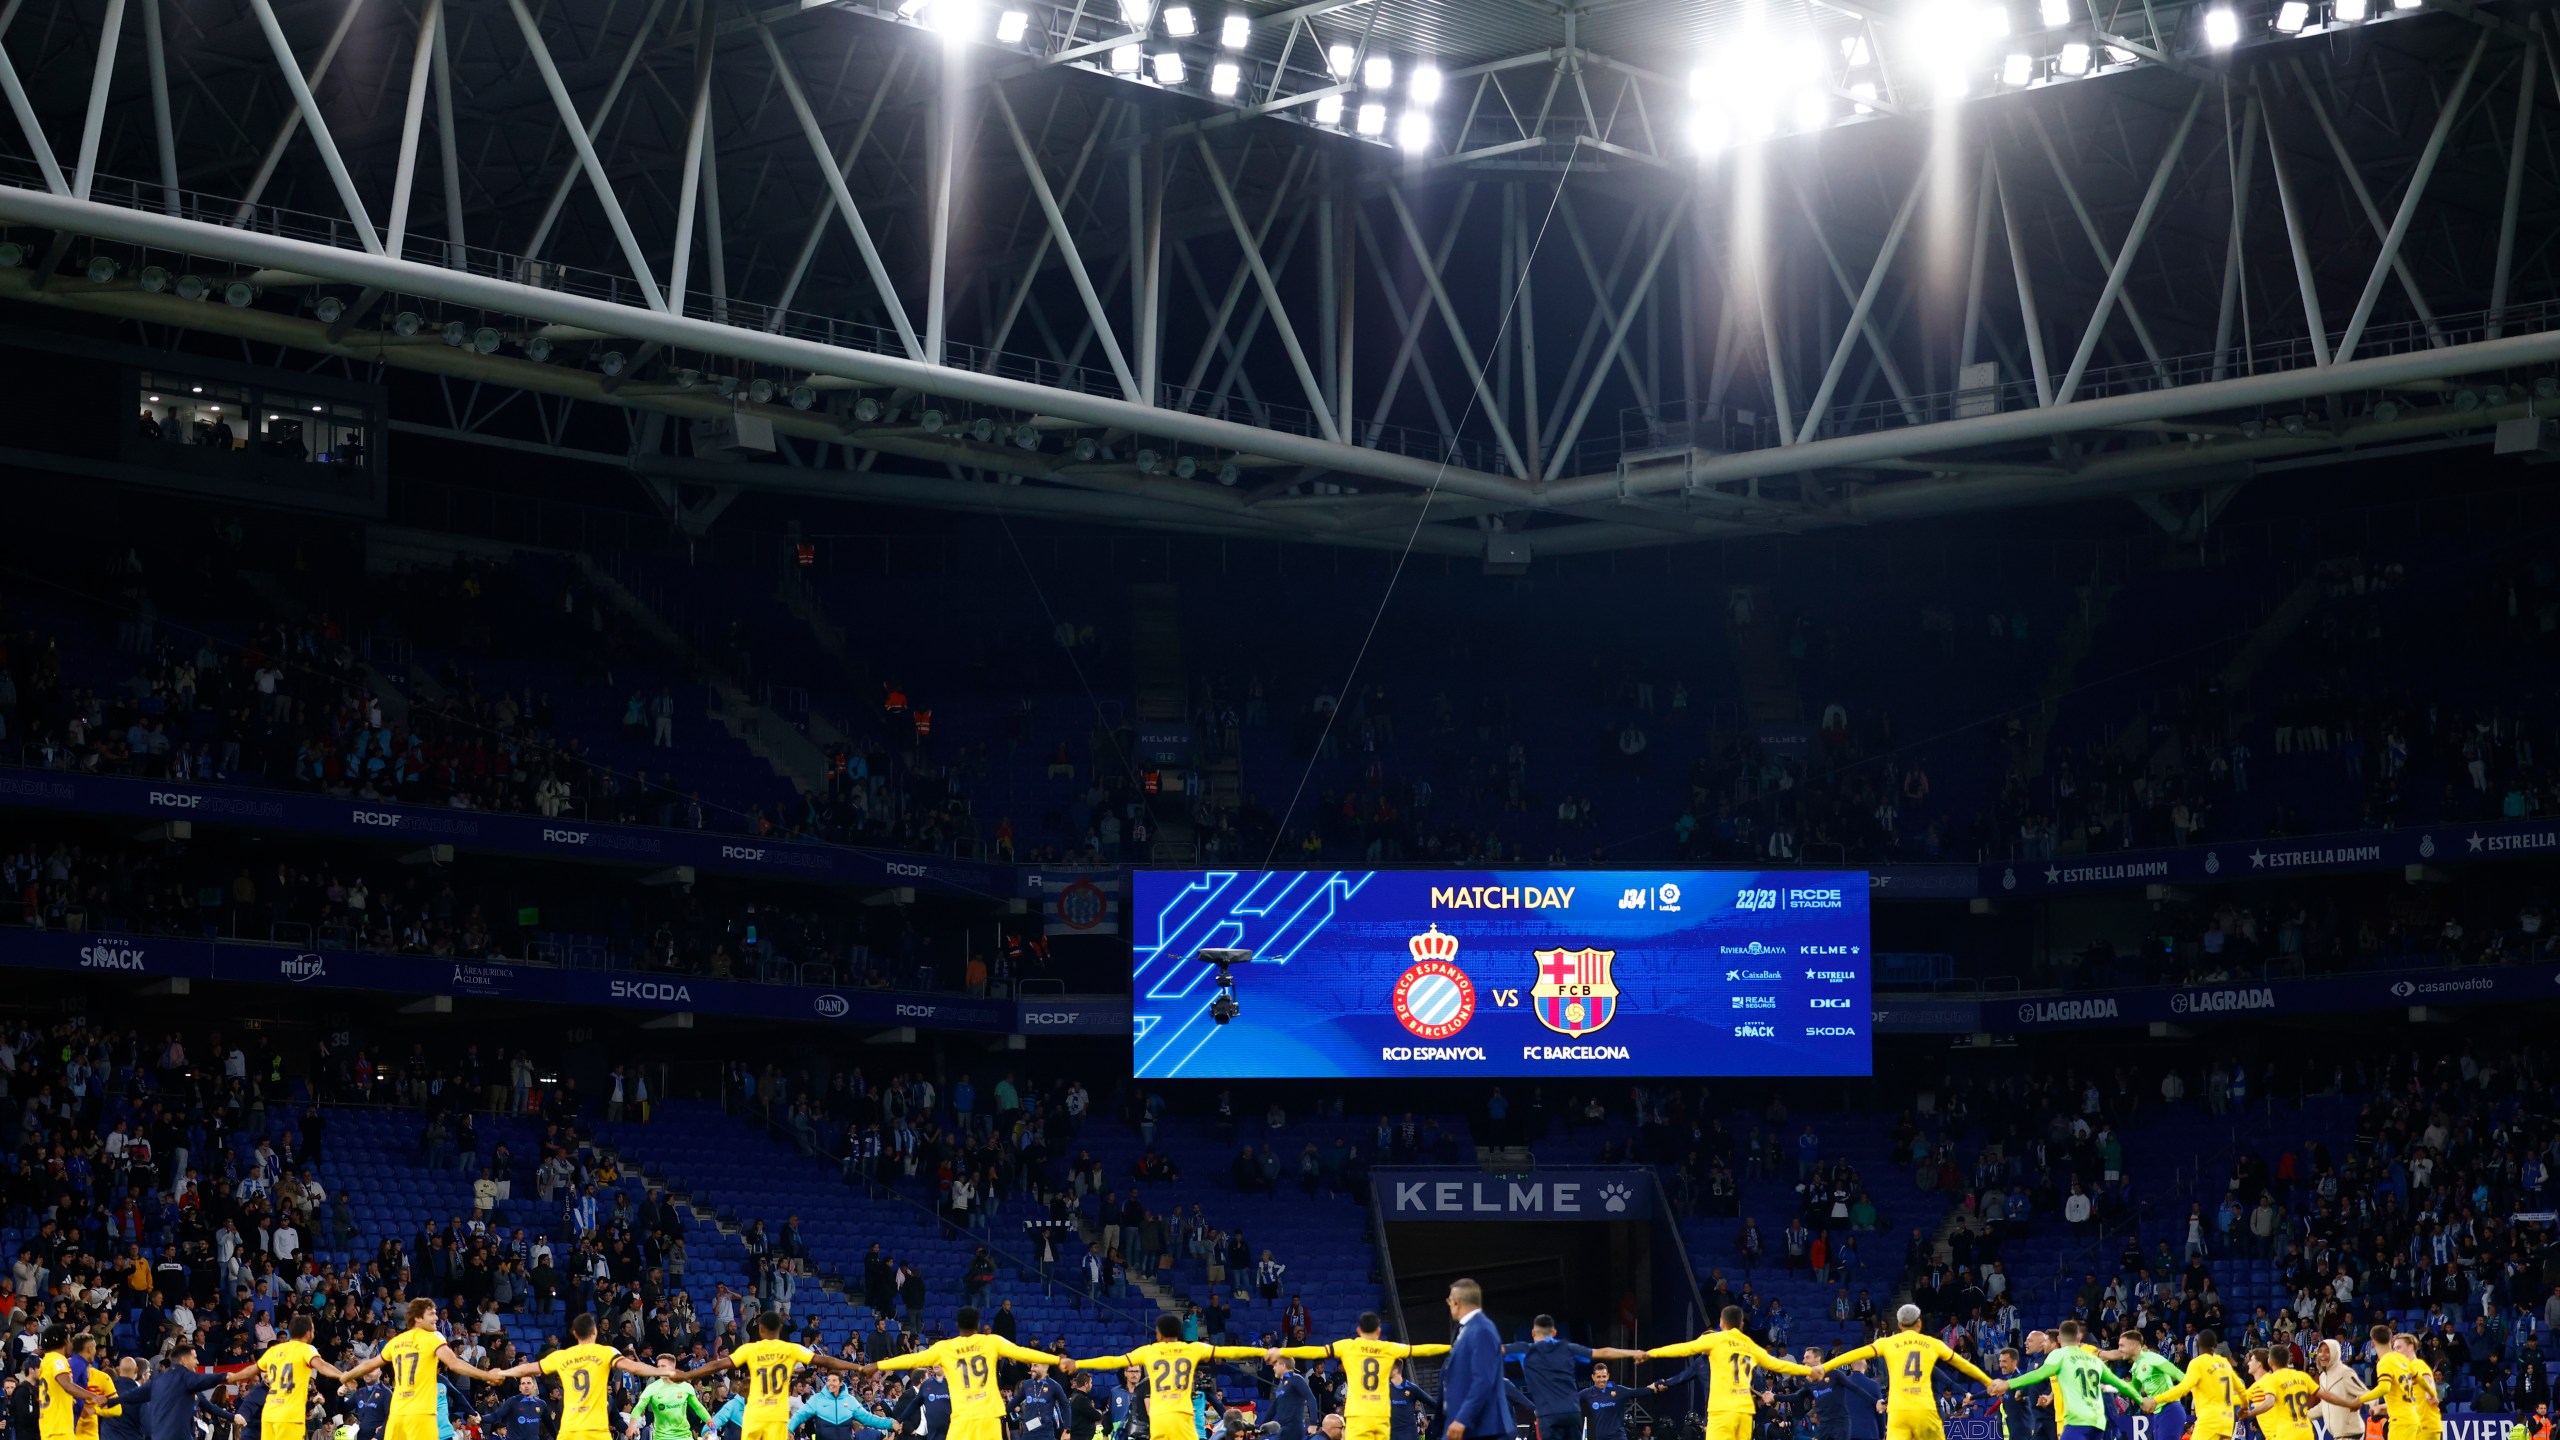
(1753, 87)
(2221, 27)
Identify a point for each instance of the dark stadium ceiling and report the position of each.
(1599, 275)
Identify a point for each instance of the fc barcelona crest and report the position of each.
(1574, 993)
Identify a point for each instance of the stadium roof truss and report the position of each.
(1369, 272)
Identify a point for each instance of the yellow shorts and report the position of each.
(1731, 1425)
(410, 1427)
(283, 1427)
(2202, 1432)
(1913, 1425)
(987, 1427)
(761, 1427)
(1365, 1427)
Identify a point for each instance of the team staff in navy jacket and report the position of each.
(1471, 1401)
(1844, 1402)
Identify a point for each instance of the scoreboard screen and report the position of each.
(1501, 973)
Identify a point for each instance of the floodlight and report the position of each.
(1229, 472)
(2017, 69)
(2292, 15)
(953, 19)
(1224, 77)
(1234, 31)
(982, 429)
(1339, 60)
(2075, 59)
(407, 323)
(2054, 12)
(1125, 59)
(1168, 67)
(930, 421)
(102, 269)
(485, 341)
(456, 334)
(1135, 14)
(1026, 437)
(1085, 448)
(537, 349)
(910, 9)
(1011, 26)
(154, 279)
(2221, 27)
(2347, 11)
(1812, 110)
(1712, 131)
(727, 385)
(1853, 50)
(1413, 132)
(868, 410)
(760, 391)
(1378, 72)
(329, 308)
(1180, 23)
(12, 254)
(1328, 109)
(1424, 85)
(2406, 4)
(1185, 467)
(1373, 120)
(1865, 90)
(1149, 462)
(2118, 55)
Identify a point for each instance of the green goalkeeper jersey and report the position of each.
(673, 1411)
(2153, 1373)
(2078, 1379)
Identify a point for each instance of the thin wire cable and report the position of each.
(1422, 514)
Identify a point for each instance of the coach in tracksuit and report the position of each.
(1844, 1402)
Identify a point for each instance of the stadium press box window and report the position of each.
(1501, 973)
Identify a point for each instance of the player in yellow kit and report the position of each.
(59, 1398)
(1171, 1364)
(286, 1370)
(413, 1357)
(2281, 1398)
(1911, 1357)
(1732, 1356)
(968, 1364)
(768, 1363)
(585, 1370)
(84, 1357)
(2217, 1389)
(2407, 1386)
(1368, 1374)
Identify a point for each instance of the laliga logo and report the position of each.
(1434, 998)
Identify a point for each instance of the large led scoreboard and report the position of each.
(1500, 973)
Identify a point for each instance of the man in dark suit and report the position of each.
(1471, 1399)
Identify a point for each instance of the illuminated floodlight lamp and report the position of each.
(1234, 31)
(1425, 85)
(953, 20)
(1127, 59)
(1373, 120)
(1339, 59)
(1953, 38)
(2054, 12)
(1011, 26)
(2292, 16)
(2016, 69)
(1224, 78)
(2075, 59)
(1853, 50)
(1378, 72)
(2348, 11)
(1413, 132)
(910, 9)
(1180, 22)
(1813, 110)
(2221, 27)
(1328, 109)
(2406, 4)
(1135, 14)
(1711, 130)
(2118, 55)
(1865, 93)
(1168, 68)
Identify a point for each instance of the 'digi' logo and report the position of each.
(1434, 999)
(1574, 992)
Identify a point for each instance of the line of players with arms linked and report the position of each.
(2205, 1400)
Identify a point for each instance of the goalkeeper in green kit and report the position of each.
(2079, 1377)
(669, 1410)
(2152, 1373)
